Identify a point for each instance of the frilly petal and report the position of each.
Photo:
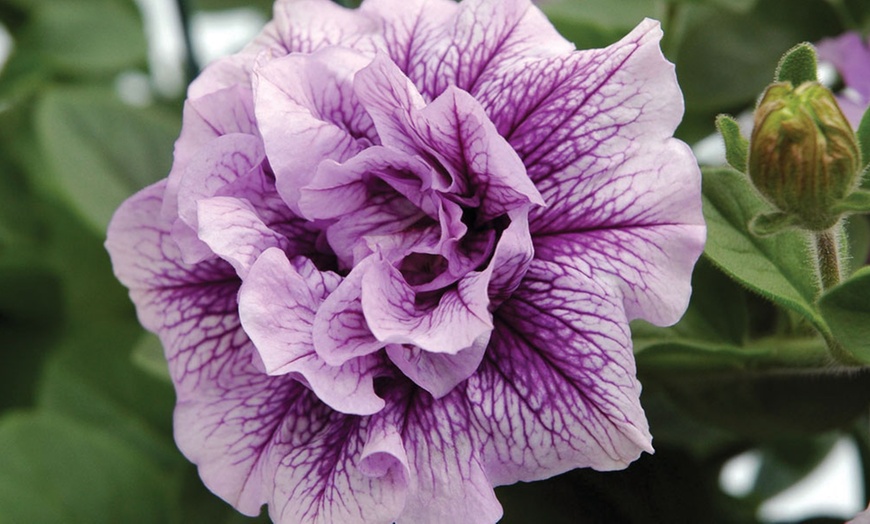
(276, 306)
(557, 388)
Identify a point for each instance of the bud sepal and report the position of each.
(804, 157)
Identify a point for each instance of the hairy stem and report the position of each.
(828, 253)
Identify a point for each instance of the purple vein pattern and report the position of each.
(395, 260)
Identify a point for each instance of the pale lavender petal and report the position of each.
(305, 123)
(218, 163)
(460, 317)
(223, 112)
(345, 187)
(557, 387)
(277, 305)
(192, 308)
(455, 129)
(227, 71)
(192, 249)
(233, 231)
(340, 329)
(261, 439)
(380, 201)
(300, 235)
(390, 98)
(414, 31)
(438, 373)
(511, 259)
(305, 26)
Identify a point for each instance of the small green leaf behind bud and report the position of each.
(736, 145)
(804, 157)
(863, 134)
(798, 65)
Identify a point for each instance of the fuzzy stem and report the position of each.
(828, 253)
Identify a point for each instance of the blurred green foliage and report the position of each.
(85, 407)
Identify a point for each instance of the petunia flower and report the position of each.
(395, 260)
(849, 53)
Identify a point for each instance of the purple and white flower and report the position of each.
(395, 260)
(849, 53)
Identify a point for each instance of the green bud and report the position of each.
(803, 156)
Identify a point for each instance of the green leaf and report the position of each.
(54, 470)
(766, 224)
(858, 235)
(95, 37)
(30, 323)
(717, 313)
(798, 65)
(736, 145)
(726, 59)
(863, 135)
(101, 151)
(786, 462)
(778, 267)
(846, 309)
(148, 356)
(857, 202)
(264, 6)
(603, 13)
(91, 377)
(767, 404)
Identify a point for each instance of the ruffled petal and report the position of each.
(557, 387)
(623, 198)
(439, 44)
(277, 304)
(305, 26)
(256, 438)
(223, 112)
(459, 318)
(231, 228)
(340, 329)
(438, 373)
(454, 130)
(305, 123)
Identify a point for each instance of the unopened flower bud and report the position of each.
(803, 157)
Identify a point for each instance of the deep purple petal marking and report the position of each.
(557, 387)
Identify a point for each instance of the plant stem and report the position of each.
(861, 434)
(828, 253)
(670, 25)
(843, 14)
(191, 67)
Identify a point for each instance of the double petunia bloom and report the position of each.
(395, 259)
